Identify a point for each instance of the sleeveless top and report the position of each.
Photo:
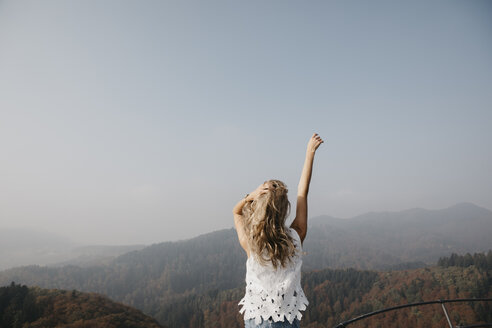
(274, 293)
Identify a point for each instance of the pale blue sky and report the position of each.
(144, 121)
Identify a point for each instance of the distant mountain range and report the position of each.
(386, 240)
(376, 240)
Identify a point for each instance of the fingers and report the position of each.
(317, 138)
(316, 141)
(262, 189)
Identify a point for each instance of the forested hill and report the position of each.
(164, 279)
(216, 261)
(339, 295)
(21, 306)
(334, 296)
(379, 241)
(382, 240)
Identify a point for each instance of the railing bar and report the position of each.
(370, 314)
(447, 316)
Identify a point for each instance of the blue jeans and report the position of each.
(271, 324)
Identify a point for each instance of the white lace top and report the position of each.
(274, 292)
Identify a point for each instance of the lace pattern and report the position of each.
(274, 293)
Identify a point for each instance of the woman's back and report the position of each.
(272, 293)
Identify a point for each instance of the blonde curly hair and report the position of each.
(269, 239)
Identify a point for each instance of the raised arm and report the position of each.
(237, 211)
(300, 222)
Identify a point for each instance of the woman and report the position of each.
(274, 297)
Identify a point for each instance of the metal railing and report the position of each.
(442, 302)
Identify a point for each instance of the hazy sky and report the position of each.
(144, 121)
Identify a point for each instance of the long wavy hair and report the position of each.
(269, 240)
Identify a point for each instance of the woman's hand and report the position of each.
(238, 209)
(314, 143)
(263, 188)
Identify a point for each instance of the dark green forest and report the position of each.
(34, 307)
(480, 260)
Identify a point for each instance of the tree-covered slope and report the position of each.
(158, 278)
(338, 295)
(25, 307)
